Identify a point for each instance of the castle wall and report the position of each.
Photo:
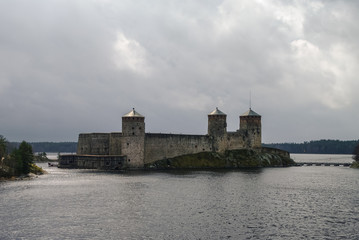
(93, 161)
(254, 138)
(160, 146)
(134, 148)
(235, 140)
(115, 143)
(251, 137)
(219, 143)
(93, 143)
(152, 146)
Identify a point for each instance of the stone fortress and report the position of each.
(133, 147)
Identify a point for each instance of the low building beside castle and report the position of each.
(133, 147)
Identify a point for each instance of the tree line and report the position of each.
(318, 147)
(40, 147)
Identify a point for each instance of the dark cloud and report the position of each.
(77, 66)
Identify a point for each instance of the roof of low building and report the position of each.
(133, 113)
(250, 112)
(217, 112)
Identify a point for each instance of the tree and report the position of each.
(27, 156)
(21, 159)
(41, 157)
(3, 157)
(15, 162)
(356, 153)
(3, 147)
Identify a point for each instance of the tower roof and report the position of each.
(217, 112)
(250, 112)
(133, 113)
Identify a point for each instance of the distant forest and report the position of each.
(320, 147)
(64, 147)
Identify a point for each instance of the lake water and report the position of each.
(309, 202)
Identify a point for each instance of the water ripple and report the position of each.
(278, 203)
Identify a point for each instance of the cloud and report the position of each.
(332, 69)
(129, 54)
(68, 67)
(4, 84)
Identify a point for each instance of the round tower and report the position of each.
(133, 139)
(250, 123)
(217, 123)
(133, 124)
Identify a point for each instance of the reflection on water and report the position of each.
(274, 203)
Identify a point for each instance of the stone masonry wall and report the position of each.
(152, 147)
(235, 140)
(251, 137)
(133, 140)
(160, 146)
(92, 161)
(134, 148)
(93, 143)
(251, 130)
(115, 143)
(217, 125)
(140, 148)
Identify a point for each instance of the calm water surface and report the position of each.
(275, 203)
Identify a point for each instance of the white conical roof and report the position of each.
(133, 113)
(250, 112)
(217, 112)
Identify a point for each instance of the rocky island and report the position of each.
(241, 158)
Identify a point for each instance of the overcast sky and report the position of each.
(73, 66)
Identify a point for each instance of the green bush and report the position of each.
(355, 164)
(356, 153)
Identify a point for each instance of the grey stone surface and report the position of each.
(140, 148)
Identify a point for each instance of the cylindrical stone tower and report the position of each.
(133, 124)
(217, 123)
(250, 123)
(133, 139)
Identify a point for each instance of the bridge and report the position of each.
(328, 160)
(322, 164)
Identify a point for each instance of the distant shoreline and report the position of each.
(308, 147)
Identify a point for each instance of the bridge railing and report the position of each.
(323, 164)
